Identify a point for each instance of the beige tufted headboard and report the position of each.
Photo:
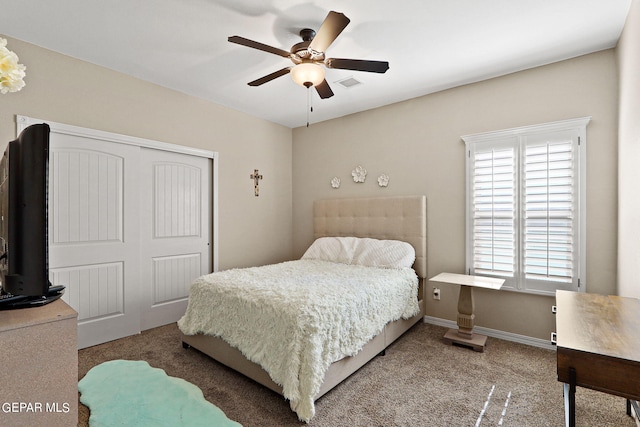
(397, 218)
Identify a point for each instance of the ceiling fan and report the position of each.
(308, 55)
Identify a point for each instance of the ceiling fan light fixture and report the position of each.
(307, 74)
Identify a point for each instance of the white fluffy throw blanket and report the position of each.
(296, 318)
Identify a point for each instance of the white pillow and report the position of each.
(384, 253)
(362, 251)
(335, 249)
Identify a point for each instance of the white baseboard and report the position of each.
(508, 336)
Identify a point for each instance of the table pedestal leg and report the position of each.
(464, 335)
(465, 312)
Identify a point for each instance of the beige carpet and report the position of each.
(419, 382)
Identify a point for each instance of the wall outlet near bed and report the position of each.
(436, 294)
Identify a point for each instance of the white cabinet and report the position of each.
(39, 375)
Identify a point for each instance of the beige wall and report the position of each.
(628, 54)
(417, 143)
(253, 230)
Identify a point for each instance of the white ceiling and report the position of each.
(431, 45)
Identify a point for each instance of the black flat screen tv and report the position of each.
(24, 245)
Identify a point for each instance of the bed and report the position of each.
(352, 222)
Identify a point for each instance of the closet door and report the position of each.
(131, 225)
(93, 234)
(175, 231)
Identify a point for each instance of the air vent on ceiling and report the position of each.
(349, 82)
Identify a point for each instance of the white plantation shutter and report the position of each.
(549, 208)
(494, 208)
(525, 206)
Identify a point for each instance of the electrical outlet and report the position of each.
(436, 294)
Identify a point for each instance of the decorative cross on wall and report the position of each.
(255, 176)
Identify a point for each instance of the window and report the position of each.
(526, 206)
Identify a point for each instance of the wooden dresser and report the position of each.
(598, 345)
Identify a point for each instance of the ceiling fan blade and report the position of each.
(269, 77)
(324, 90)
(332, 26)
(357, 65)
(257, 45)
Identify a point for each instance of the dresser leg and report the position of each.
(572, 397)
(569, 391)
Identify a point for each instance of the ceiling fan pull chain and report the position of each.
(309, 106)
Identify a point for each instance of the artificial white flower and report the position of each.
(359, 174)
(11, 72)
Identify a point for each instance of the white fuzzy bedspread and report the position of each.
(296, 318)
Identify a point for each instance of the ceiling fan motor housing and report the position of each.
(301, 52)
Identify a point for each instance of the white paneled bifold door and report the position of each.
(175, 231)
(93, 239)
(130, 228)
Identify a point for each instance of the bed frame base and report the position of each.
(338, 371)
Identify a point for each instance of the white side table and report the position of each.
(464, 334)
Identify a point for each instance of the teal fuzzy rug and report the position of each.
(132, 393)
